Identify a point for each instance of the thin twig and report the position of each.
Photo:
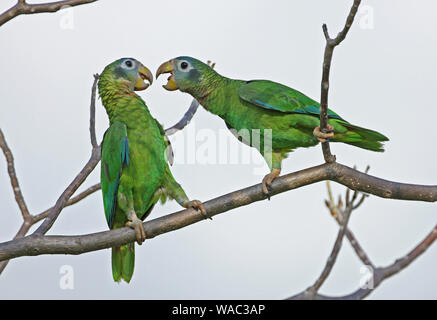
(329, 50)
(343, 220)
(185, 120)
(21, 7)
(379, 274)
(336, 211)
(70, 202)
(65, 199)
(13, 177)
(384, 273)
(27, 224)
(93, 138)
(334, 254)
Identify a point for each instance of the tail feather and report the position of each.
(361, 137)
(123, 262)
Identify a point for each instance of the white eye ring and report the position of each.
(128, 64)
(184, 66)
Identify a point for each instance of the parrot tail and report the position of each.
(361, 137)
(123, 262)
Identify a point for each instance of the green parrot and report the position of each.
(269, 116)
(134, 169)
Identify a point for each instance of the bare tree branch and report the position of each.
(25, 8)
(64, 200)
(379, 274)
(329, 50)
(93, 138)
(83, 174)
(342, 217)
(185, 120)
(13, 177)
(38, 244)
(21, 233)
(382, 274)
(333, 256)
(336, 212)
(70, 202)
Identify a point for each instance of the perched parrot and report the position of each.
(285, 118)
(135, 150)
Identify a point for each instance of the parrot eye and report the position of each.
(185, 66)
(128, 64)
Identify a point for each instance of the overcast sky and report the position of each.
(382, 77)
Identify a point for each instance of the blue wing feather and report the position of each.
(125, 154)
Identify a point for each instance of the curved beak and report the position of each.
(167, 67)
(143, 74)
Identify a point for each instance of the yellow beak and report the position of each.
(143, 73)
(167, 67)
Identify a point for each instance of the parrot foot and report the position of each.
(324, 136)
(198, 205)
(137, 225)
(268, 179)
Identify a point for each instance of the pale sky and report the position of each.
(382, 78)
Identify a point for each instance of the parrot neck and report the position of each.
(116, 96)
(207, 86)
(208, 90)
(219, 96)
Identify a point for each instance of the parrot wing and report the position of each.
(115, 155)
(275, 96)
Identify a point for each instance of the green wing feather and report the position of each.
(275, 96)
(115, 155)
(169, 154)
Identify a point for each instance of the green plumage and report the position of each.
(134, 169)
(265, 105)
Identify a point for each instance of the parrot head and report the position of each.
(186, 74)
(127, 72)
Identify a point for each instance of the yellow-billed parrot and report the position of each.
(269, 116)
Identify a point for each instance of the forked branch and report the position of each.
(329, 50)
